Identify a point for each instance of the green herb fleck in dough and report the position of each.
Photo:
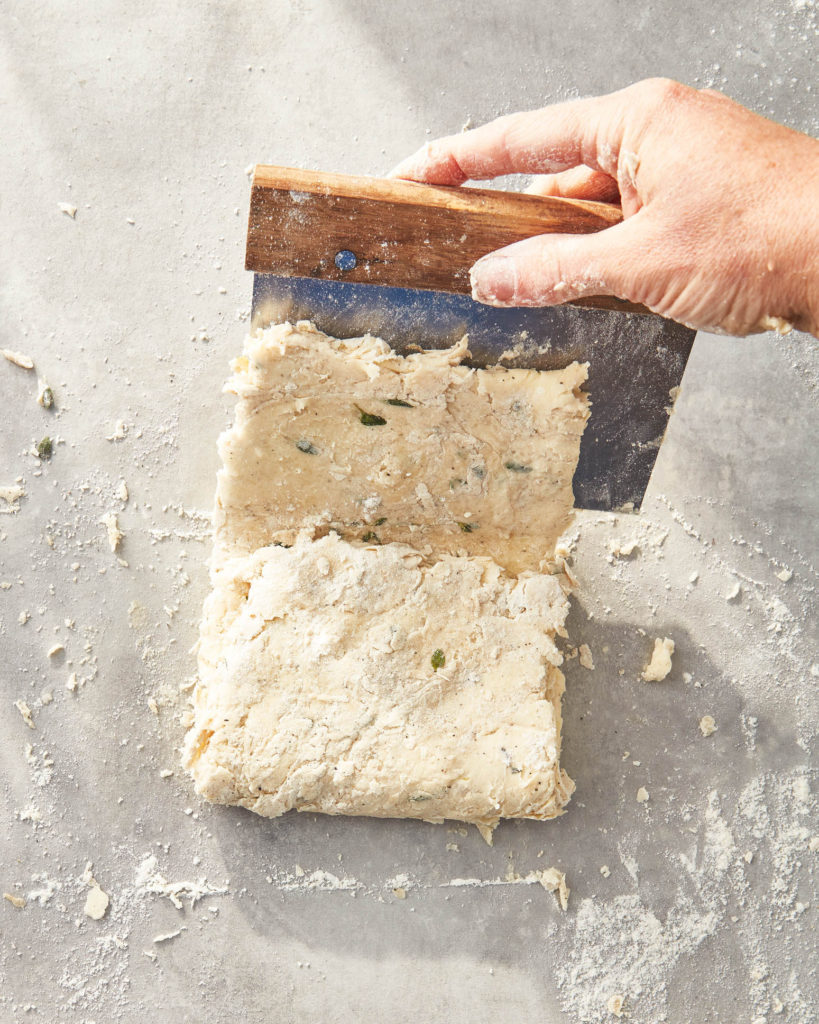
(45, 448)
(468, 527)
(420, 797)
(381, 521)
(370, 537)
(438, 659)
(479, 472)
(400, 403)
(517, 467)
(369, 419)
(456, 482)
(306, 447)
(46, 398)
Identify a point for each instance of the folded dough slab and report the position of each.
(380, 636)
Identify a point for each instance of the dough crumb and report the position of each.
(122, 491)
(69, 210)
(660, 664)
(623, 549)
(486, 832)
(96, 903)
(54, 650)
(15, 901)
(118, 433)
(72, 683)
(785, 575)
(707, 725)
(45, 396)
(605, 870)
(25, 711)
(775, 323)
(553, 880)
(111, 524)
(18, 358)
(642, 795)
(23, 617)
(11, 495)
(400, 893)
(615, 1004)
(585, 657)
(734, 592)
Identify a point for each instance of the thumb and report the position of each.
(548, 269)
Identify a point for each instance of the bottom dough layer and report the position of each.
(319, 689)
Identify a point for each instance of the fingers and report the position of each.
(577, 183)
(549, 269)
(551, 139)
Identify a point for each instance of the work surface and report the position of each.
(698, 903)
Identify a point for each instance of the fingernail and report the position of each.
(494, 280)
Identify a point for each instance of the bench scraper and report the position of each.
(391, 258)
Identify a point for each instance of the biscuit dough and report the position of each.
(380, 635)
(472, 462)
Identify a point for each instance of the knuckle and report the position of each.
(660, 92)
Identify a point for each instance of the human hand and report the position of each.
(720, 225)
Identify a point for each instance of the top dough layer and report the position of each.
(346, 435)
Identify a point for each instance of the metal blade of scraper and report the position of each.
(634, 360)
(391, 258)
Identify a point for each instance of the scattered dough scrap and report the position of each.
(15, 901)
(119, 432)
(11, 495)
(96, 903)
(45, 395)
(623, 549)
(380, 636)
(553, 880)
(615, 1004)
(111, 524)
(69, 210)
(642, 795)
(660, 664)
(707, 725)
(585, 657)
(18, 358)
(25, 712)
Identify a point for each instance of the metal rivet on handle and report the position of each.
(346, 260)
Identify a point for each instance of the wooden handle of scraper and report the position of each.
(399, 233)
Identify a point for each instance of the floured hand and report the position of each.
(720, 206)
